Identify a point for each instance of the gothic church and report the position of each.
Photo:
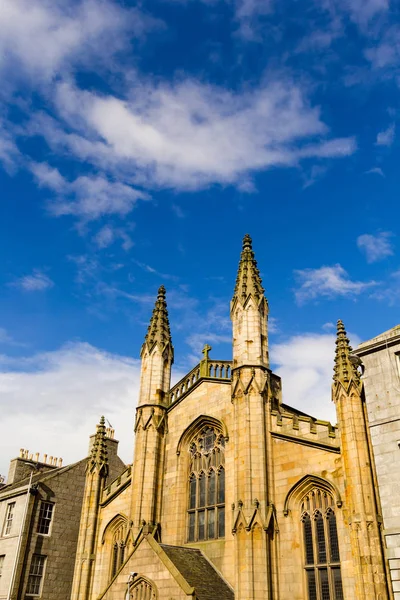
(232, 493)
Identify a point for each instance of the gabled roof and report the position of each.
(199, 573)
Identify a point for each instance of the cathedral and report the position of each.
(232, 494)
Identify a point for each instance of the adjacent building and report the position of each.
(381, 361)
(40, 510)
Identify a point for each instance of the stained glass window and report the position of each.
(206, 511)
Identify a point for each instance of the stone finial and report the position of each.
(248, 280)
(98, 459)
(158, 331)
(345, 369)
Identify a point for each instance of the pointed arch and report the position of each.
(142, 588)
(306, 484)
(119, 520)
(199, 422)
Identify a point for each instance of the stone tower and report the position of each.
(363, 519)
(250, 376)
(96, 474)
(157, 356)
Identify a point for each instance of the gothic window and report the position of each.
(142, 590)
(206, 504)
(118, 549)
(321, 547)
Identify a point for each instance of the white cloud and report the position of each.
(386, 137)
(376, 171)
(188, 135)
(51, 402)
(87, 197)
(36, 282)
(376, 247)
(107, 235)
(328, 282)
(43, 37)
(305, 363)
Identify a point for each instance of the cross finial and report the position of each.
(206, 350)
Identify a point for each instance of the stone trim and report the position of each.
(305, 442)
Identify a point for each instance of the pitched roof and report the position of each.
(199, 573)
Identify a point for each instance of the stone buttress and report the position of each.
(96, 474)
(363, 519)
(250, 381)
(157, 356)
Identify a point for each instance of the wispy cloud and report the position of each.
(386, 137)
(328, 282)
(184, 135)
(35, 282)
(376, 171)
(41, 38)
(107, 235)
(376, 247)
(87, 197)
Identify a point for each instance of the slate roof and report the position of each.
(199, 573)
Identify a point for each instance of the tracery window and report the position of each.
(321, 546)
(142, 589)
(206, 510)
(118, 549)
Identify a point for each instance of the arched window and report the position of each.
(141, 589)
(321, 546)
(118, 549)
(206, 505)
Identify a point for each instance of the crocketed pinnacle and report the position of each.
(98, 456)
(248, 280)
(158, 330)
(345, 368)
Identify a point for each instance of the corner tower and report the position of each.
(251, 431)
(157, 356)
(361, 503)
(249, 312)
(96, 474)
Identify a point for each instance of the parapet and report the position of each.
(304, 428)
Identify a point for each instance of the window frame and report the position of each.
(2, 561)
(331, 564)
(35, 575)
(206, 519)
(8, 523)
(51, 520)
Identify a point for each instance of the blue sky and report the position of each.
(138, 144)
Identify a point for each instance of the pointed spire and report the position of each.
(158, 330)
(248, 280)
(345, 368)
(98, 456)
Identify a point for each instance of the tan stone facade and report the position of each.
(277, 503)
(233, 494)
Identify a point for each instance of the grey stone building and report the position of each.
(381, 360)
(40, 511)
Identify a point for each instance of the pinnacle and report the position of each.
(248, 279)
(158, 330)
(98, 455)
(345, 369)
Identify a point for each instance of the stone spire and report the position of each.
(98, 457)
(158, 331)
(345, 368)
(248, 280)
